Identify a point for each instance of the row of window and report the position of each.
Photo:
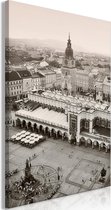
(15, 93)
(17, 87)
(15, 82)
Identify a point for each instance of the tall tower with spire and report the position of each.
(68, 69)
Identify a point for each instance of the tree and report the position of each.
(54, 64)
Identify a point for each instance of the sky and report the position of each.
(32, 22)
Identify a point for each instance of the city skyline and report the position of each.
(25, 23)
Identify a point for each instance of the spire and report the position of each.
(69, 51)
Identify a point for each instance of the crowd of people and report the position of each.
(29, 187)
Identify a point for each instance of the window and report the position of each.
(86, 124)
(108, 124)
(103, 123)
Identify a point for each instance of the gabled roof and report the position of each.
(24, 73)
(12, 76)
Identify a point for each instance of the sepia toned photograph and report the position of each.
(57, 104)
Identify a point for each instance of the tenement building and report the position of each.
(79, 120)
(13, 85)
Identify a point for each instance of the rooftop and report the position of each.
(79, 102)
(46, 72)
(38, 75)
(44, 64)
(44, 115)
(24, 73)
(12, 76)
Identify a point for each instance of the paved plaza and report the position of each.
(80, 167)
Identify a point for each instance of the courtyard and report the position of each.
(80, 167)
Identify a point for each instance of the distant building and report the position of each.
(27, 81)
(38, 81)
(13, 84)
(50, 77)
(82, 80)
(58, 77)
(107, 88)
(80, 121)
(44, 64)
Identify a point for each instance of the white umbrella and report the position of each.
(27, 141)
(32, 134)
(23, 140)
(32, 139)
(37, 139)
(27, 137)
(13, 137)
(23, 135)
(22, 132)
(27, 133)
(31, 142)
(40, 136)
(18, 138)
(36, 135)
(18, 134)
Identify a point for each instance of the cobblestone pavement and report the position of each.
(80, 166)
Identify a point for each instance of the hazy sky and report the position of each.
(26, 21)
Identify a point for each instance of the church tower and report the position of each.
(68, 60)
(68, 70)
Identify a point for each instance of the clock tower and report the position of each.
(68, 70)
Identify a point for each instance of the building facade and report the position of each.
(27, 81)
(107, 88)
(13, 85)
(50, 77)
(82, 80)
(38, 81)
(82, 124)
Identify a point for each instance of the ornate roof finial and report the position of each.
(69, 35)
